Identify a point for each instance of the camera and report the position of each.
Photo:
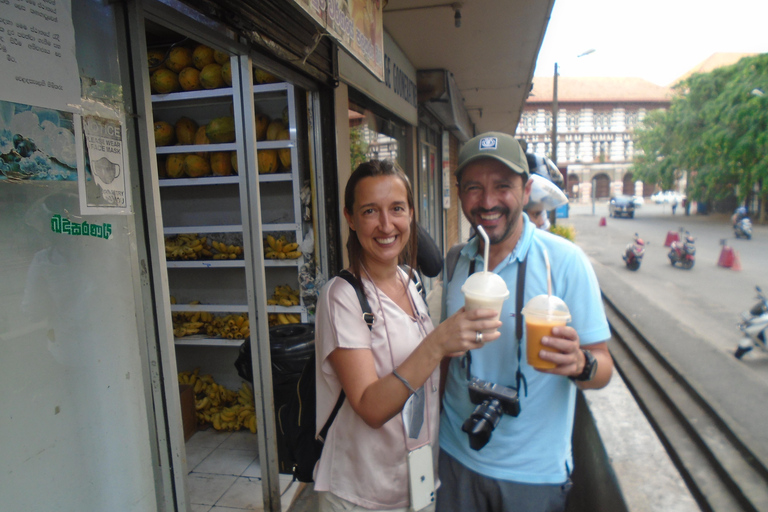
(493, 401)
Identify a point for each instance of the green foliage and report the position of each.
(566, 232)
(358, 148)
(716, 129)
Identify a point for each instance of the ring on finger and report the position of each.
(478, 337)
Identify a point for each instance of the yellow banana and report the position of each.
(271, 242)
(290, 247)
(292, 255)
(283, 319)
(285, 302)
(278, 245)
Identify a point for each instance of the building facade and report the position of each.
(596, 118)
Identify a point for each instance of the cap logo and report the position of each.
(489, 143)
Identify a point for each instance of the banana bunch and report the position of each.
(283, 319)
(218, 406)
(226, 252)
(187, 246)
(233, 326)
(280, 249)
(284, 295)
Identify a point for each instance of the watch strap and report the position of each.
(590, 367)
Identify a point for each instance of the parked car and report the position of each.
(667, 197)
(638, 201)
(620, 206)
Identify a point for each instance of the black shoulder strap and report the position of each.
(451, 259)
(369, 318)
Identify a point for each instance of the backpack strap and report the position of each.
(451, 259)
(369, 318)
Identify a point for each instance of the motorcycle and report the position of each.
(754, 325)
(683, 252)
(633, 254)
(743, 228)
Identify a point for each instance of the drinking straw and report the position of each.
(485, 247)
(549, 274)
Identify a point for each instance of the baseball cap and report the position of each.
(497, 145)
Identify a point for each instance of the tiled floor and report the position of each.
(224, 473)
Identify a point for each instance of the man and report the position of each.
(526, 463)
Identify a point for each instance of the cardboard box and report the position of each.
(188, 416)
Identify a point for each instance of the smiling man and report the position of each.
(491, 459)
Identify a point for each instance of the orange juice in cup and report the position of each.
(542, 313)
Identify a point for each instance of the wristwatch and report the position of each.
(590, 368)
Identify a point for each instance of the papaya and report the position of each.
(174, 165)
(165, 134)
(185, 130)
(262, 122)
(155, 60)
(221, 163)
(210, 76)
(202, 55)
(285, 157)
(179, 58)
(226, 73)
(200, 136)
(274, 129)
(189, 79)
(284, 134)
(263, 77)
(267, 161)
(221, 129)
(220, 57)
(164, 81)
(196, 166)
(233, 159)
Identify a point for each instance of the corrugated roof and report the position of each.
(598, 90)
(714, 61)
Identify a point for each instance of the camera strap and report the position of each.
(519, 298)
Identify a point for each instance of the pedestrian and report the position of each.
(545, 196)
(389, 372)
(526, 464)
(674, 205)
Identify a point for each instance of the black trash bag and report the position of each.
(290, 347)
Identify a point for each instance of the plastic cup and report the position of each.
(542, 313)
(485, 290)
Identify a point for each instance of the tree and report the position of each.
(716, 128)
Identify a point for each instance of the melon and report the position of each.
(274, 129)
(226, 73)
(263, 77)
(262, 122)
(202, 56)
(164, 81)
(155, 60)
(196, 166)
(179, 58)
(221, 163)
(189, 79)
(221, 130)
(210, 76)
(165, 134)
(267, 161)
(174, 165)
(220, 57)
(185, 130)
(285, 157)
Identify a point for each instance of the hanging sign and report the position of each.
(358, 25)
(105, 189)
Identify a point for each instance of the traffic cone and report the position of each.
(726, 257)
(736, 261)
(672, 236)
(602, 222)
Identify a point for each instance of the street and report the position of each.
(691, 315)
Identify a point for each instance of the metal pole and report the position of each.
(554, 117)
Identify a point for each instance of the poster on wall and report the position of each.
(358, 25)
(103, 181)
(36, 143)
(37, 50)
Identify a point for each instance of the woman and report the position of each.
(363, 464)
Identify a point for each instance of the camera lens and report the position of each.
(481, 423)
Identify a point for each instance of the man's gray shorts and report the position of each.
(462, 490)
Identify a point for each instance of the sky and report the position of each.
(658, 40)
